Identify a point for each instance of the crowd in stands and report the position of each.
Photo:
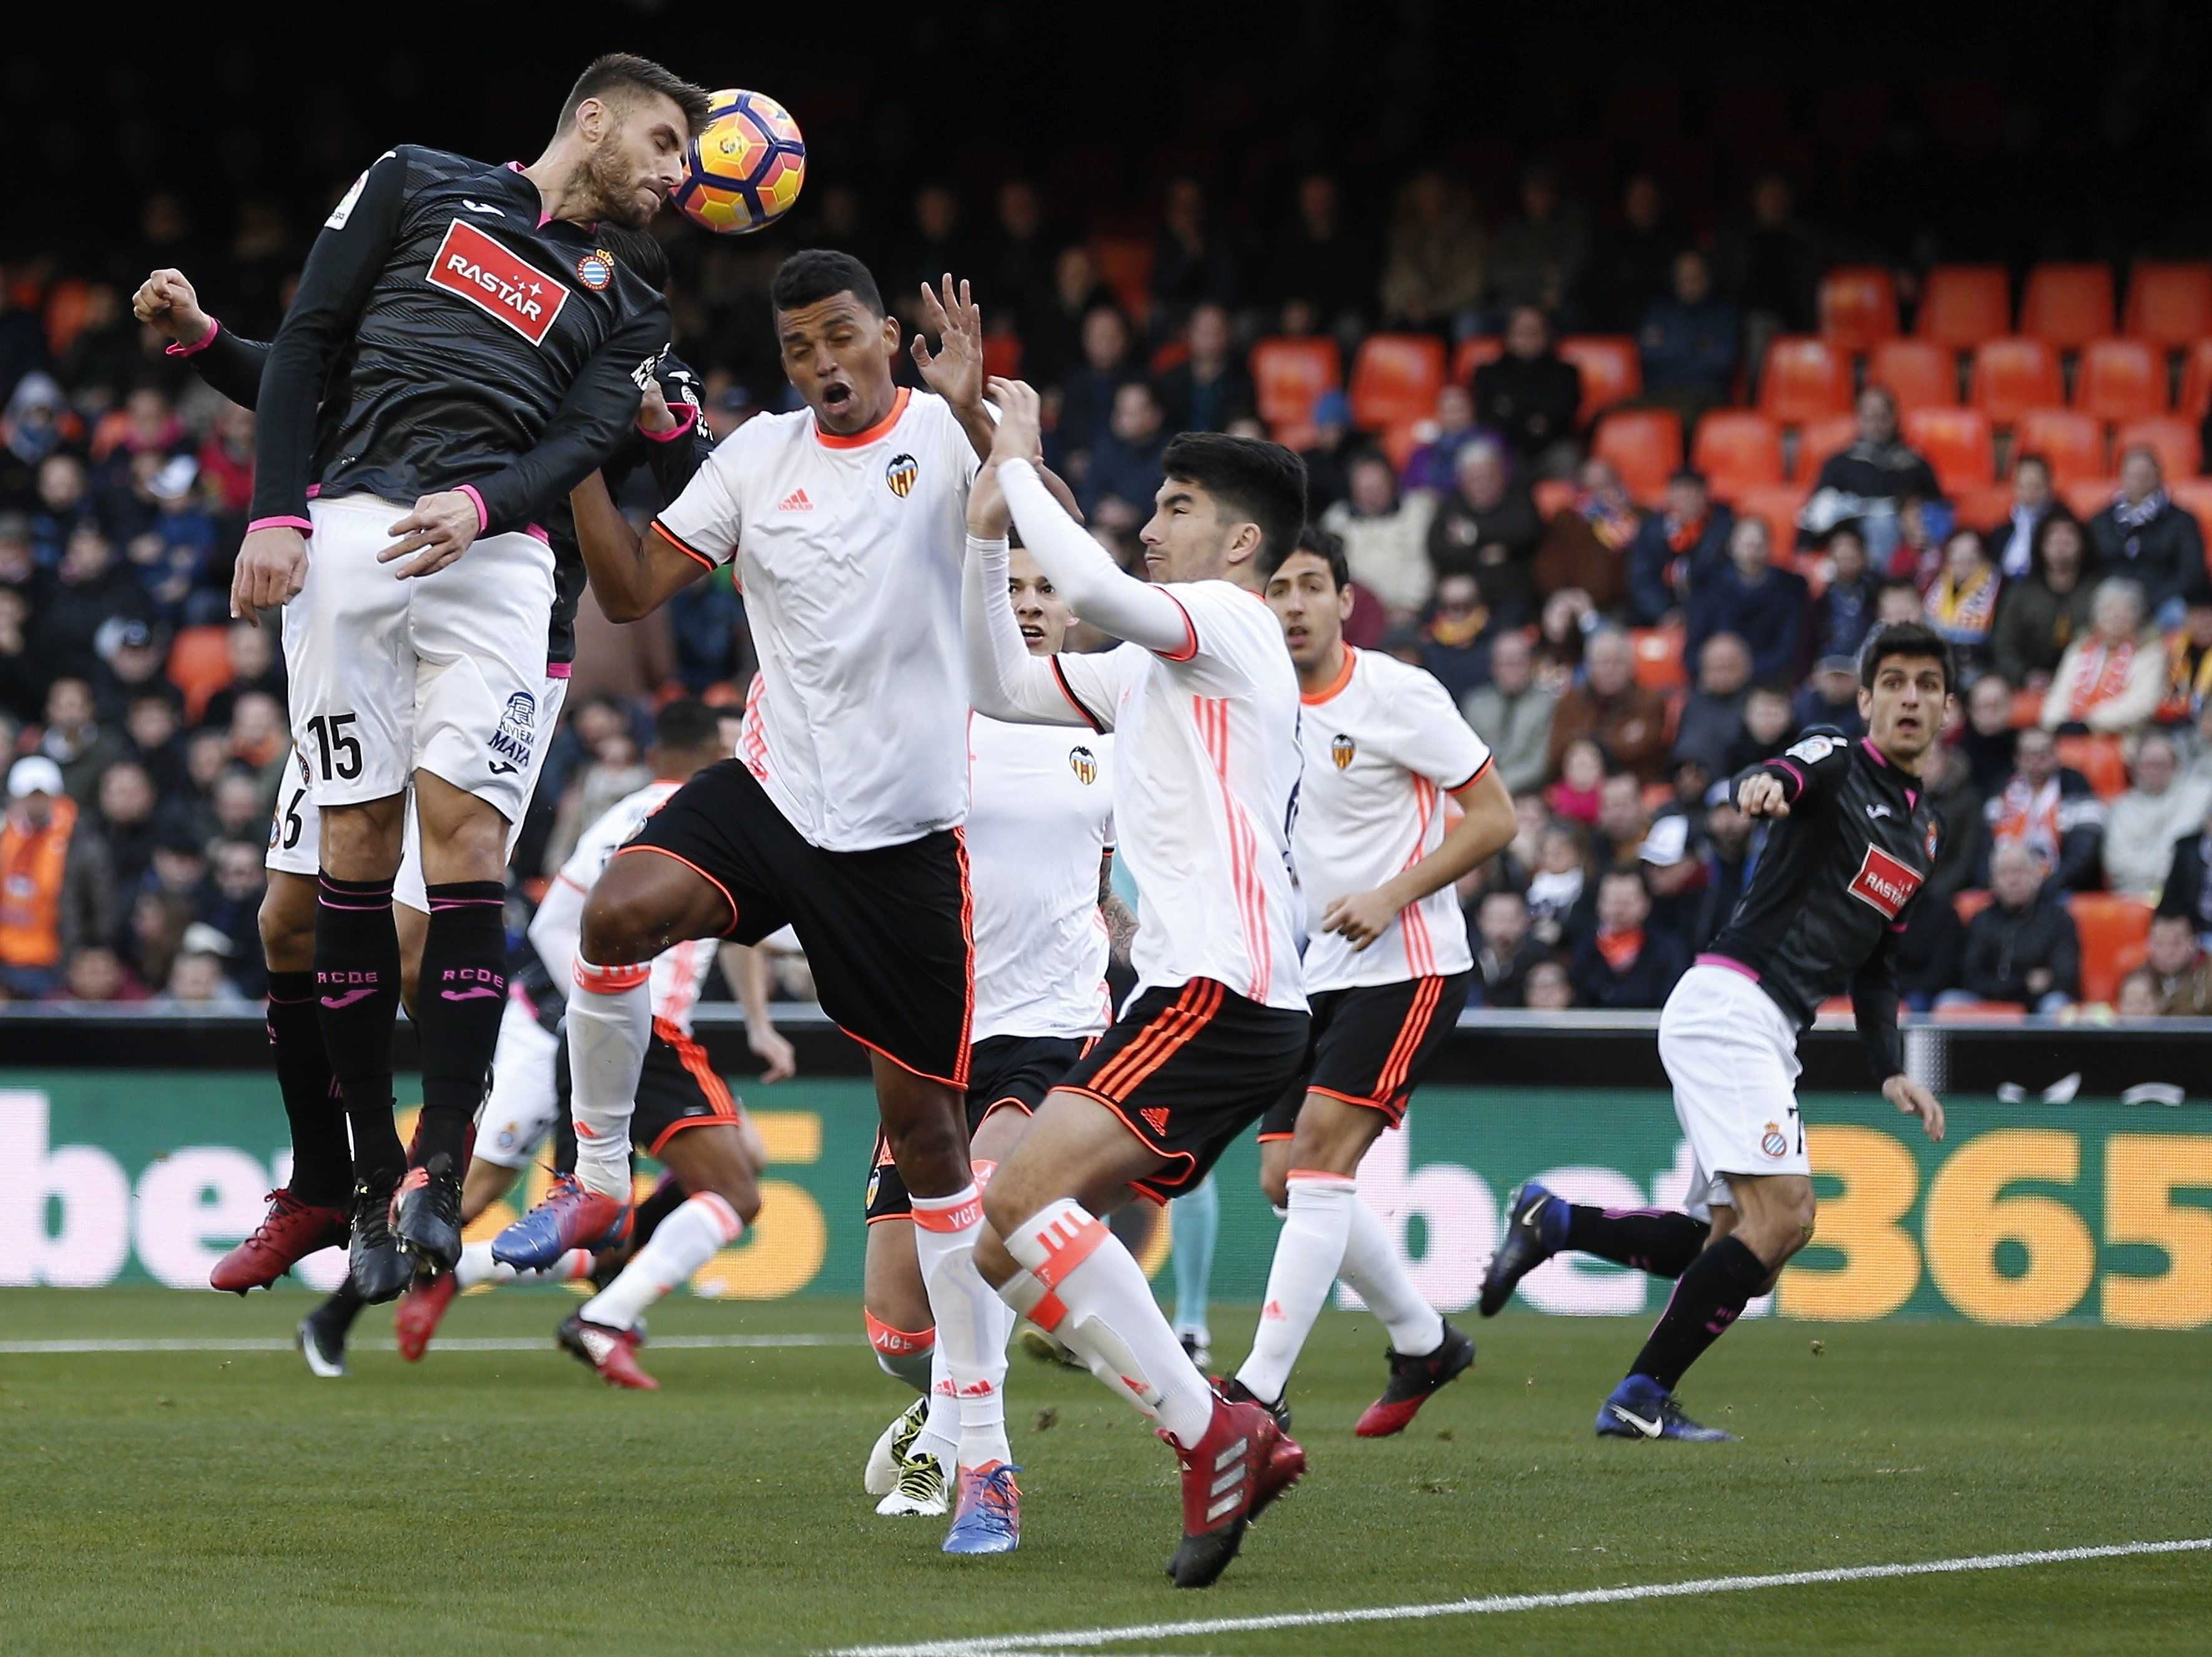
(1635, 491)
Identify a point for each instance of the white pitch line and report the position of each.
(1013, 1645)
(463, 1343)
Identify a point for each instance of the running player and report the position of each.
(1204, 704)
(1041, 848)
(1852, 840)
(842, 818)
(1386, 967)
(475, 351)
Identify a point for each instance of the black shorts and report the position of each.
(677, 1088)
(1186, 1069)
(1371, 1045)
(887, 932)
(1015, 1071)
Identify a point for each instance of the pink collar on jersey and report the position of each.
(1335, 687)
(861, 439)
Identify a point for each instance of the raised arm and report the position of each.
(631, 575)
(165, 301)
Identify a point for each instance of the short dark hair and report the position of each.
(1261, 481)
(820, 273)
(685, 724)
(608, 76)
(1312, 538)
(1905, 639)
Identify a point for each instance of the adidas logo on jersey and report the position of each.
(795, 502)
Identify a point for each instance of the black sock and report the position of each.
(1709, 1295)
(458, 1008)
(358, 989)
(668, 1196)
(1649, 1240)
(322, 1162)
(342, 1307)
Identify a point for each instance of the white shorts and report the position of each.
(295, 834)
(523, 1104)
(1732, 1056)
(443, 674)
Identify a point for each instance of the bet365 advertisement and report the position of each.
(2031, 1213)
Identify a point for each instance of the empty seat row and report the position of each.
(2064, 305)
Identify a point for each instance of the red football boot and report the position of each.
(289, 1232)
(612, 1352)
(1228, 1479)
(1413, 1381)
(415, 1319)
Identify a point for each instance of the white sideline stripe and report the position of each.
(1020, 1645)
(464, 1343)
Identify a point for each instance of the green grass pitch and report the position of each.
(223, 1502)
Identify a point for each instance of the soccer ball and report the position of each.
(744, 169)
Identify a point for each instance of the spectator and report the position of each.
(2178, 972)
(1086, 396)
(1503, 950)
(96, 973)
(1765, 607)
(1559, 637)
(1897, 601)
(2049, 811)
(1209, 388)
(1962, 845)
(239, 807)
(1054, 344)
(1019, 264)
(1623, 824)
(36, 431)
(1386, 535)
(1621, 962)
(1962, 604)
(1488, 526)
(225, 458)
(1831, 697)
(1509, 871)
(1584, 545)
(1433, 270)
(1633, 260)
(2023, 948)
(127, 822)
(2145, 536)
(1772, 263)
(1548, 988)
(2189, 663)
(1712, 717)
(256, 668)
(2113, 678)
(197, 977)
(23, 674)
(1870, 481)
(2143, 825)
(130, 664)
(1124, 474)
(1329, 452)
(1321, 262)
(57, 888)
(1730, 852)
(153, 722)
(1578, 795)
(1768, 726)
(90, 594)
(261, 741)
(1689, 341)
(64, 505)
(1190, 264)
(1513, 714)
(1430, 467)
(2187, 892)
(2033, 505)
(1454, 641)
(932, 246)
(1539, 257)
(1677, 550)
(2046, 610)
(1531, 397)
(2139, 996)
(1931, 954)
(229, 900)
(1556, 885)
(1989, 740)
(76, 741)
(1628, 720)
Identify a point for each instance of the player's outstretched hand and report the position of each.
(653, 416)
(954, 370)
(1909, 1096)
(165, 302)
(1021, 420)
(439, 531)
(778, 1059)
(1763, 796)
(1361, 916)
(272, 568)
(988, 515)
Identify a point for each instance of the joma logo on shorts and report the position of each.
(1884, 884)
(481, 269)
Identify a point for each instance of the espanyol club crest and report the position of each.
(1771, 1142)
(518, 730)
(1930, 843)
(1084, 764)
(900, 471)
(596, 268)
(1342, 749)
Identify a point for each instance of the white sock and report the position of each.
(1372, 1268)
(478, 1266)
(1078, 1282)
(940, 1431)
(945, 1233)
(609, 1021)
(685, 1240)
(1307, 1256)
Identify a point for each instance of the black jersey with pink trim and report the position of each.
(1834, 886)
(446, 335)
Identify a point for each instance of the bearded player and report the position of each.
(1852, 841)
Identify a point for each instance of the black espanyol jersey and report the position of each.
(445, 335)
(1834, 886)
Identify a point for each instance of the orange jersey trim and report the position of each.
(1335, 688)
(861, 439)
(669, 535)
(662, 851)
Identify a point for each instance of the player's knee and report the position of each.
(737, 1187)
(995, 1264)
(615, 933)
(1006, 1203)
(932, 1154)
(286, 919)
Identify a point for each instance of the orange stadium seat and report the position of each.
(1970, 903)
(1395, 378)
(1831, 434)
(1002, 355)
(2098, 758)
(2071, 441)
(1858, 307)
(1963, 305)
(1554, 495)
(2170, 305)
(1957, 444)
(1659, 665)
(1125, 265)
(1803, 377)
(2174, 442)
(2086, 499)
(2196, 400)
(1644, 445)
(199, 665)
(1736, 449)
(2026, 708)
(2012, 375)
(2112, 928)
(2068, 305)
(2120, 379)
(1472, 353)
(1779, 505)
(1918, 373)
(2195, 495)
(1612, 371)
(1985, 508)
(1289, 376)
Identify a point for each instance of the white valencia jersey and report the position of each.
(848, 553)
(1383, 745)
(677, 974)
(1040, 818)
(1206, 783)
